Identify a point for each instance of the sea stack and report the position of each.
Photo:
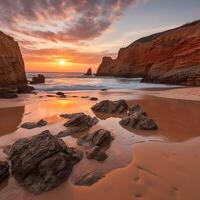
(171, 57)
(89, 72)
(12, 71)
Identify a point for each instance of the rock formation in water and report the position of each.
(38, 79)
(171, 57)
(12, 70)
(89, 72)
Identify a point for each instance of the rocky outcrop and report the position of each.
(77, 122)
(98, 142)
(12, 70)
(38, 79)
(42, 162)
(110, 107)
(32, 125)
(89, 72)
(4, 170)
(171, 57)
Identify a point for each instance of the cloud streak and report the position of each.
(61, 20)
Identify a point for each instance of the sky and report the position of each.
(73, 35)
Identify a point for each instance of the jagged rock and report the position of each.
(135, 109)
(8, 94)
(139, 120)
(97, 142)
(96, 153)
(69, 116)
(4, 170)
(96, 138)
(38, 79)
(89, 178)
(171, 57)
(89, 72)
(42, 162)
(25, 89)
(31, 125)
(108, 106)
(93, 98)
(78, 122)
(12, 70)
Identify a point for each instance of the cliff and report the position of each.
(171, 57)
(12, 70)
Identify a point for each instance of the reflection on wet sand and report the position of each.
(10, 119)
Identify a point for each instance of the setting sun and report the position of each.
(62, 62)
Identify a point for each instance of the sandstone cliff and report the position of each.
(171, 57)
(11, 62)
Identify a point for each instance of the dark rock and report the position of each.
(93, 98)
(108, 106)
(89, 178)
(135, 109)
(31, 125)
(38, 79)
(4, 170)
(61, 94)
(78, 122)
(89, 72)
(97, 142)
(42, 162)
(8, 94)
(139, 121)
(84, 97)
(69, 116)
(96, 153)
(25, 89)
(95, 139)
(104, 89)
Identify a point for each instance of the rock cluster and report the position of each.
(31, 125)
(42, 162)
(138, 119)
(98, 143)
(171, 57)
(77, 122)
(38, 79)
(4, 170)
(110, 107)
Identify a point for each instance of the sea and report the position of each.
(57, 81)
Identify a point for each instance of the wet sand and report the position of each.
(162, 164)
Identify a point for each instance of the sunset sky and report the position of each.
(72, 35)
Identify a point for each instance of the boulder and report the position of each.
(135, 109)
(42, 162)
(38, 79)
(8, 93)
(31, 125)
(61, 94)
(77, 122)
(93, 98)
(23, 89)
(4, 170)
(89, 178)
(110, 107)
(139, 120)
(97, 142)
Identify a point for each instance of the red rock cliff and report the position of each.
(11, 62)
(171, 57)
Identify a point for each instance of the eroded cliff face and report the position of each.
(171, 57)
(12, 70)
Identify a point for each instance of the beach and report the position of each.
(159, 164)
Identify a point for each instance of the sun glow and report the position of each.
(62, 62)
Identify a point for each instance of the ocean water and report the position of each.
(77, 81)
